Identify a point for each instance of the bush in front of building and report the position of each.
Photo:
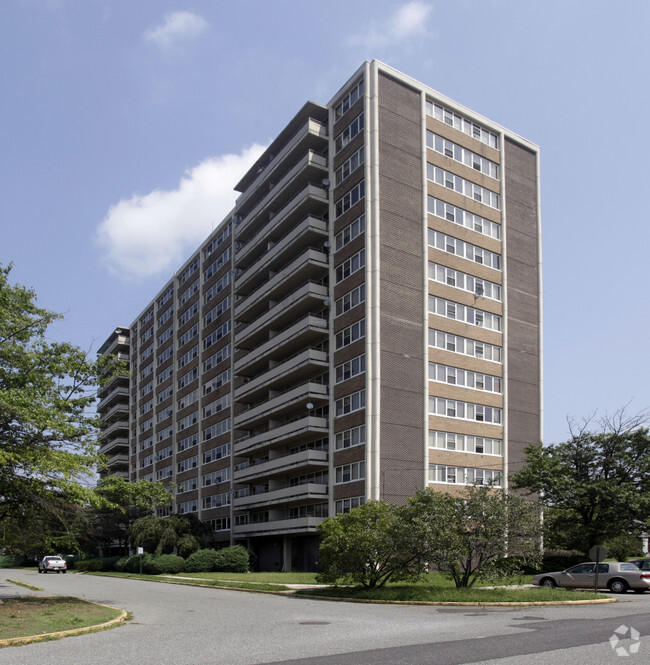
(202, 561)
(233, 559)
(97, 564)
(167, 564)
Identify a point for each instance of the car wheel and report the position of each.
(39, 571)
(548, 582)
(58, 571)
(65, 571)
(618, 586)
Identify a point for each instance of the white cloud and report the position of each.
(151, 233)
(409, 20)
(178, 26)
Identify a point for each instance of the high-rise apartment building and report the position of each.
(365, 322)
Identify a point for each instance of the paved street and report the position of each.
(177, 625)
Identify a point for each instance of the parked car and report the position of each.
(52, 563)
(644, 564)
(616, 576)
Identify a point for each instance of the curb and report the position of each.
(29, 639)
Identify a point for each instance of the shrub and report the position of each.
(232, 560)
(560, 560)
(120, 564)
(202, 561)
(90, 565)
(96, 564)
(168, 564)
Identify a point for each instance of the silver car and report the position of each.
(52, 563)
(616, 576)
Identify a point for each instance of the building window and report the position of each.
(351, 334)
(463, 249)
(216, 453)
(188, 377)
(463, 377)
(165, 335)
(188, 399)
(464, 346)
(350, 198)
(188, 356)
(164, 473)
(216, 382)
(351, 368)
(164, 434)
(146, 461)
(216, 477)
(217, 358)
(454, 310)
(462, 155)
(188, 313)
(189, 292)
(346, 505)
(349, 165)
(220, 524)
(191, 506)
(217, 311)
(350, 232)
(217, 263)
(462, 124)
(165, 297)
(450, 408)
(356, 436)
(464, 281)
(344, 105)
(463, 218)
(349, 133)
(351, 403)
(165, 355)
(189, 271)
(348, 473)
(186, 422)
(350, 299)
(187, 442)
(187, 464)
(165, 316)
(216, 500)
(482, 445)
(164, 375)
(219, 240)
(352, 265)
(458, 475)
(216, 335)
(217, 287)
(187, 485)
(164, 414)
(164, 453)
(217, 429)
(462, 186)
(188, 335)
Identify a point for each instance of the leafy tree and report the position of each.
(48, 443)
(466, 536)
(163, 535)
(368, 546)
(597, 484)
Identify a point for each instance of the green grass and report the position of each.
(231, 584)
(269, 578)
(22, 617)
(420, 593)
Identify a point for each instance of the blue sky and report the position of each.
(126, 124)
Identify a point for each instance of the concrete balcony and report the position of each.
(296, 494)
(272, 248)
(309, 331)
(119, 380)
(305, 460)
(309, 297)
(307, 363)
(111, 430)
(119, 393)
(278, 527)
(311, 264)
(118, 412)
(113, 446)
(308, 428)
(311, 168)
(118, 343)
(117, 461)
(281, 405)
(311, 135)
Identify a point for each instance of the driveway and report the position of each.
(182, 625)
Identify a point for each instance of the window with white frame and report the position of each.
(465, 378)
(146, 353)
(348, 473)
(462, 155)
(350, 232)
(350, 198)
(217, 287)
(188, 356)
(351, 299)
(163, 434)
(216, 477)
(166, 296)
(188, 377)
(146, 335)
(165, 316)
(352, 265)
(216, 406)
(164, 414)
(458, 475)
(187, 464)
(481, 445)
(349, 166)
(346, 505)
(344, 105)
(146, 461)
(188, 335)
(218, 241)
(188, 399)
(164, 375)
(220, 524)
(216, 453)
(191, 311)
(187, 442)
(146, 407)
(218, 357)
(351, 334)
(217, 311)
(462, 186)
(146, 425)
(464, 345)
(217, 429)
(147, 443)
(354, 128)
(164, 355)
(164, 453)
(186, 422)
(464, 218)
(451, 408)
(165, 394)
(311, 510)
(146, 371)
(216, 382)
(351, 368)
(464, 249)
(187, 485)
(189, 271)
(165, 335)
(216, 335)
(164, 473)
(191, 506)
(216, 500)
(458, 312)
(351, 403)
(146, 389)
(189, 292)
(461, 123)
(464, 281)
(220, 261)
(355, 436)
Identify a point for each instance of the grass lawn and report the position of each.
(209, 579)
(20, 617)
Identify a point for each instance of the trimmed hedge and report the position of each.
(97, 564)
(202, 561)
(232, 560)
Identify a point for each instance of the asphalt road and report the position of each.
(179, 625)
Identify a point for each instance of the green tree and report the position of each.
(48, 443)
(368, 546)
(465, 536)
(597, 484)
(164, 535)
